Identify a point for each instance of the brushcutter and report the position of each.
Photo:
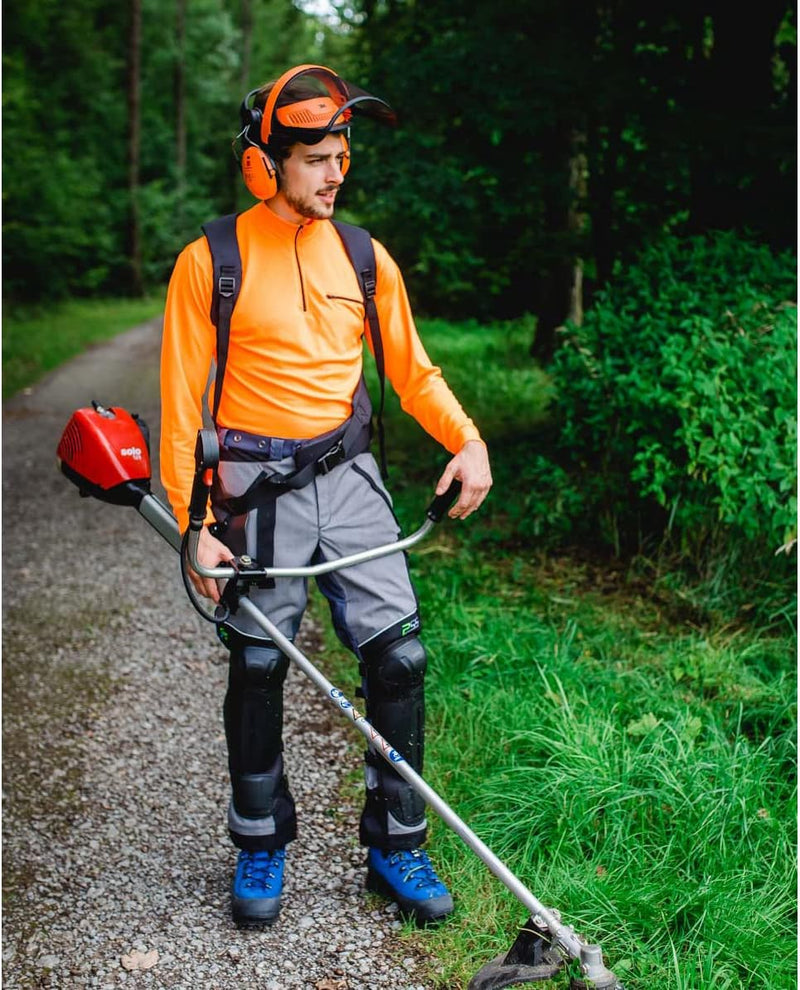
(105, 452)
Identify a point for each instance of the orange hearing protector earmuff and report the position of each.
(259, 170)
(260, 173)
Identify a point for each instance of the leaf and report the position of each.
(643, 726)
(140, 960)
(692, 729)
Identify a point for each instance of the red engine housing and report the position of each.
(103, 448)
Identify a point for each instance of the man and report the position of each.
(292, 384)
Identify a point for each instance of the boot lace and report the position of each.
(259, 868)
(414, 865)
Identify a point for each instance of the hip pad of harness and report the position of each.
(318, 455)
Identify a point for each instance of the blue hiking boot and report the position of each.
(257, 887)
(407, 877)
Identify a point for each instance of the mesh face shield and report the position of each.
(306, 104)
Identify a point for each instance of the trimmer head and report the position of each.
(105, 452)
(530, 959)
(534, 958)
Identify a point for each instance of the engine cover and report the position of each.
(105, 452)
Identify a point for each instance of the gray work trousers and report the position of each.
(336, 514)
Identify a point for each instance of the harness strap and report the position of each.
(227, 283)
(312, 458)
(358, 244)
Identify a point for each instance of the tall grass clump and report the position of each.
(640, 779)
(627, 749)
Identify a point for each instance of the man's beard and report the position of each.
(308, 208)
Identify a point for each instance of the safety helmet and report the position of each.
(305, 104)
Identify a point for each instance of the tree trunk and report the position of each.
(180, 110)
(134, 147)
(560, 294)
(576, 224)
(245, 85)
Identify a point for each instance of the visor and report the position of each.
(313, 102)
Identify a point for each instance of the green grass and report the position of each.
(629, 756)
(37, 340)
(653, 807)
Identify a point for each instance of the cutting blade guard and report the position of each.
(530, 959)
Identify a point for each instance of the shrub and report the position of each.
(677, 396)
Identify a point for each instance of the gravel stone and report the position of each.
(114, 760)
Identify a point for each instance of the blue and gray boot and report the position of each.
(257, 887)
(407, 877)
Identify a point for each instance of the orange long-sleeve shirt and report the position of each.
(295, 352)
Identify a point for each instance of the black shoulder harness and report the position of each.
(227, 282)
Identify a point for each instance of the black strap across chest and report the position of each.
(227, 283)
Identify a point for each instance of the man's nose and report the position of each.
(334, 172)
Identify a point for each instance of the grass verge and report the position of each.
(37, 339)
(632, 760)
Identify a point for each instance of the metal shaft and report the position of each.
(562, 934)
(161, 519)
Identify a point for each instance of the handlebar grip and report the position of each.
(206, 458)
(442, 503)
(206, 450)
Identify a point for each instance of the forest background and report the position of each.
(594, 207)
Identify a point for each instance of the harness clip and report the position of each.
(370, 283)
(335, 456)
(227, 285)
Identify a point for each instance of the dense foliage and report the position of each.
(536, 136)
(535, 140)
(66, 158)
(629, 753)
(680, 390)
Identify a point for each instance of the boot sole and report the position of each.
(249, 912)
(426, 912)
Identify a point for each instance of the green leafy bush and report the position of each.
(677, 396)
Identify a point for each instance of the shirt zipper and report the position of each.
(299, 269)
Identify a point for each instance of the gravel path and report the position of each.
(116, 859)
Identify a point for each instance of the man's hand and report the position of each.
(470, 466)
(210, 553)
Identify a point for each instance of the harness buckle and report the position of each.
(370, 283)
(335, 456)
(227, 285)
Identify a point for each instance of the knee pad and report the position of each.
(253, 714)
(254, 662)
(264, 666)
(395, 670)
(393, 685)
